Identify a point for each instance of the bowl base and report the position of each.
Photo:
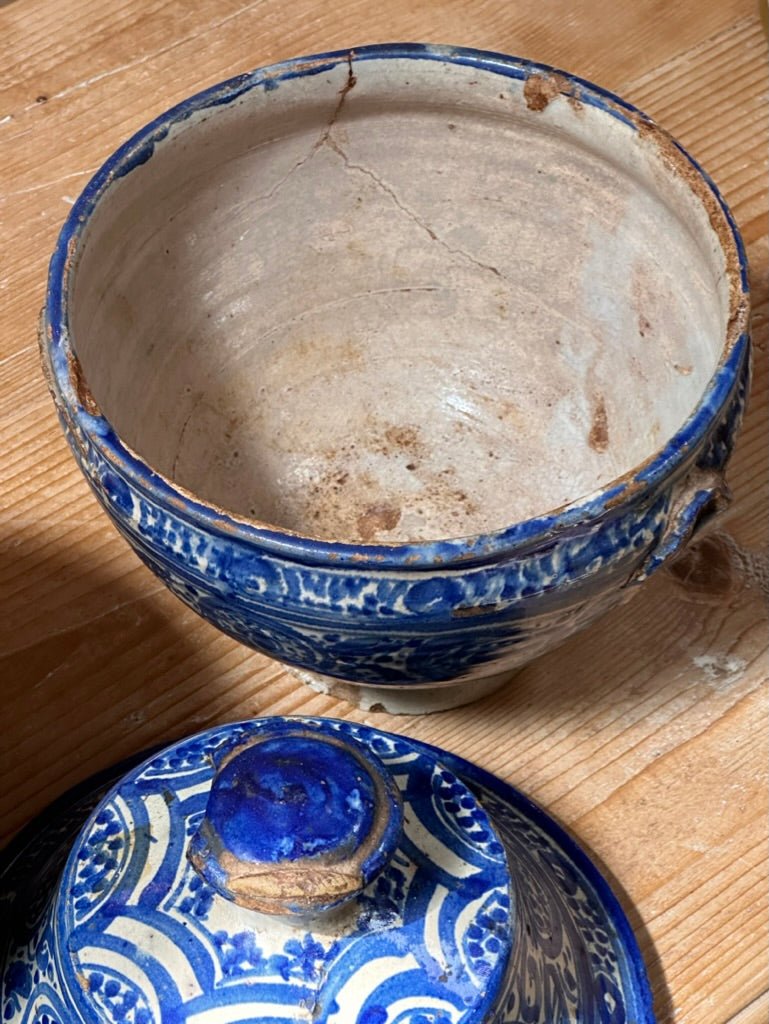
(415, 699)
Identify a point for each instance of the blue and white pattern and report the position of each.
(447, 933)
(407, 614)
(406, 626)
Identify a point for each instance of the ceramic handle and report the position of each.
(297, 822)
(703, 496)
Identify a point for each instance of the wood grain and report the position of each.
(647, 735)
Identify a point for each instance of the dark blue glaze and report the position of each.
(278, 801)
(301, 799)
(458, 608)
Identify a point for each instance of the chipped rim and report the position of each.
(68, 384)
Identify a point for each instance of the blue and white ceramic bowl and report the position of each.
(466, 904)
(401, 364)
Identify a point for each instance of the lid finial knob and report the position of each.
(297, 822)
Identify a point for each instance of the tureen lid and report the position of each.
(311, 869)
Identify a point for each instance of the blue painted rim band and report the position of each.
(408, 557)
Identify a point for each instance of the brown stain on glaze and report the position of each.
(331, 495)
(644, 327)
(347, 500)
(234, 423)
(598, 438)
(377, 519)
(314, 356)
(643, 298)
(404, 437)
(509, 412)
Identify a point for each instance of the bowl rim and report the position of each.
(70, 388)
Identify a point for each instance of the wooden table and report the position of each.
(647, 735)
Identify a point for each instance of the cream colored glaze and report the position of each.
(408, 309)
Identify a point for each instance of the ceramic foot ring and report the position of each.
(309, 870)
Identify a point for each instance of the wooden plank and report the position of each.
(756, 1012)
(645, 735)
(239, 36)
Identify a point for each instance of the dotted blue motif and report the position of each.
(196, 898)
(383, 626)
(459, 812)
(240, 956)
(573, 959)
(117, 998)
(484, 939)
(190, 756)
(99, 859)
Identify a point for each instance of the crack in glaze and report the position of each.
(320, 141)
(389, 191)
(325, 139)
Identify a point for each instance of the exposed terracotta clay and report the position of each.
(377, 519)
(539, 90)
(82, 390)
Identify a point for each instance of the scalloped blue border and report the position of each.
(466, 551)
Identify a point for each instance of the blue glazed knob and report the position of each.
(297, 822)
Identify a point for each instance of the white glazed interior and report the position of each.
(407, 309)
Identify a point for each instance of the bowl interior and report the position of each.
(398, 300)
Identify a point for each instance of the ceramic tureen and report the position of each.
(401, 363)
(309, 870)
